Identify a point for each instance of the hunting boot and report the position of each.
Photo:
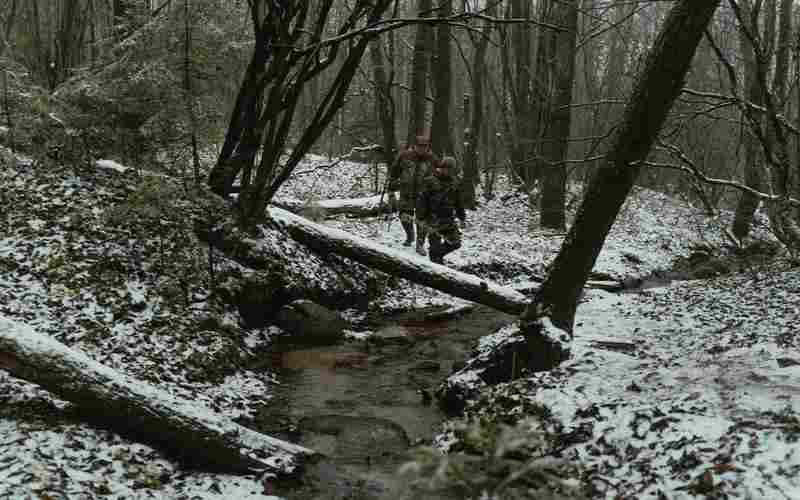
(421, 234)
(408, 227)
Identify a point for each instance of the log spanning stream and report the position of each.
(365, 403)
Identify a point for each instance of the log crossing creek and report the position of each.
(365, 403)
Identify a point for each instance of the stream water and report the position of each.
(364, 404)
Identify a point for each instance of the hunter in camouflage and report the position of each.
(407, 174)
(438, 206)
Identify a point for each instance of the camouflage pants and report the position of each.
(443, 240)
(408, 219)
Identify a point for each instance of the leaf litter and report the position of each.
(689, 389)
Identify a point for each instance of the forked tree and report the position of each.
(295, 41)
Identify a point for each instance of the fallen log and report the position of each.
(368, 206)
(186, 428)
(324, 239)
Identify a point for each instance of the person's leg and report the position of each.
(422, 233)
(407, 221)
(451, 240)
(435, 247)
(406, 209)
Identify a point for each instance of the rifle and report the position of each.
(388, 215)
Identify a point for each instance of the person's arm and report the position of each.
(396, 170)
(393, 175)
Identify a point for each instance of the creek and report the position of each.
(365, 404)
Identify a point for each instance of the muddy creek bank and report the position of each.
(365, 403)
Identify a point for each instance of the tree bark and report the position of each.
(525, 122)
(419, 74)
(323, 239)
(194, 433)
(556, 147)
(442, 73)
(781, 175)
(476, 126)
(656, 89)
(7, 30)
(265, 110)
(754, 92)
(384, 105)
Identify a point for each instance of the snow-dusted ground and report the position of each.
(708, 399)
(712, 384)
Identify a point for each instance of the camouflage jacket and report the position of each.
(439, 201)
(409, 171)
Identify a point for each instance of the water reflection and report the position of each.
(318, 359)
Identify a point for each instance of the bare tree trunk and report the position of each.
(615, 70)
(7, 30)
(67, 39)
(8, 26)
(420, 65)
(42, 55)
(656, 89)
(384, 105)
(119, 10)
(779, 90)
(268, 98)
(784, 175)
(442, 74)
(554, 175)
(476, 128)
(240, 146)
(92, 33)
(7, 109)
(780, 175)
(196, 434)
(188, 92)
(470, 176)
(753, 168)
(522, 97)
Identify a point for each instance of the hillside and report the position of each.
(106, 261)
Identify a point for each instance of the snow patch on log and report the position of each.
(76, 377)
(336, 206)
(402, 263)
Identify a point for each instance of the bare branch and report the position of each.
(689, 167)
(460, 20)
(733, 100)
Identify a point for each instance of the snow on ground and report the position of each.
(706, 401)
(713, 381)
(712, 385)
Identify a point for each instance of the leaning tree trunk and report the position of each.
(657, 87)
(197, 434)
(324, 239)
